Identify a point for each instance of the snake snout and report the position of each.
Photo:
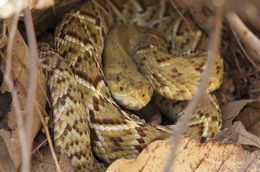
(133, 95)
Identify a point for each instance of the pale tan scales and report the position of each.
(87, 121)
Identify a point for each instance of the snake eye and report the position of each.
(118, 78)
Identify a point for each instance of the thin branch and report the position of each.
(43, 143)
(10, 84)
(34, 61)
(32, 85)
(10, 48)
(183, 18)
(238, 66)
(47, 133)
(247, 37)
(244, 51)
(181, 126)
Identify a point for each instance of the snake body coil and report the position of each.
(87, 121)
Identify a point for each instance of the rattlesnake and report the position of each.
(88, 124)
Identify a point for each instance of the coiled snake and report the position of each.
(88, 124)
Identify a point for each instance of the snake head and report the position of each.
(129, 88)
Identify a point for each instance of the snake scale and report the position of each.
(88, 123)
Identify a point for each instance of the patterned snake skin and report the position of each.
(88, 124)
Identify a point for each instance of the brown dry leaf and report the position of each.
(5, 102)
(6, 163)
(245, 137)
(191, 156)
(237, 134)
(42, 160)
(231, 110)
(19, 74)
(65, 163)
(247, 112)
(250, 117)
(12, 145)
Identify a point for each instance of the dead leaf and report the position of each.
(250, 117)
(42, 160)
(191, 156)
(12, 143)
(65, 163)
(6, 163)
(246, 111)
(20, 78)
(19, 75)
(5, 102)
(237, 134)
(231, 110)
(246, 138)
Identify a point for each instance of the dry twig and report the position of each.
(244, 51)
(46, 129)
(247, 37)
(9, 82)
(32, 85)
(25, 123)
(183, 18)
(34, 61)
(214, 43)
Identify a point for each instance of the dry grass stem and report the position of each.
(244, 51)
(44, 122)
(246, 36)
(181, 125)
(32, 85)
(47, 133)
(39, 146)
(183, 18)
